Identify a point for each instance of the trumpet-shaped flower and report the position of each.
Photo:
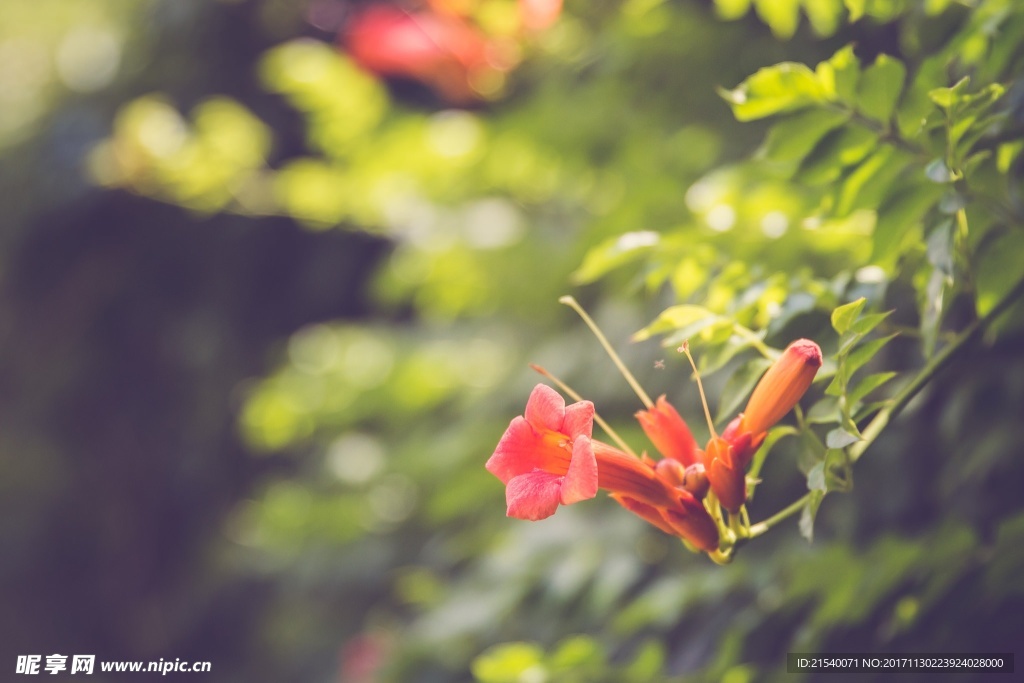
(668, 432)
(547, 458)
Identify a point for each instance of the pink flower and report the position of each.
(546, 457)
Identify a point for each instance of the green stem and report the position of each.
(612, 434)
(574, 305)
(755, 341)
(901, 399)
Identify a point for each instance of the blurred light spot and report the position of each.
(394, 499)
(367, 361)
(355, 458)
(88, 58)
(811, 223)
(24, 69)
(701, 196)
(721, 218)
(636, 240)
(870, 275)
(314, 349)
(454, 133)
(774, 224)
(773, 309)
(492, 223)
(161, 129)
(482, 363)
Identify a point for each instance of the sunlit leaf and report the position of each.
(675, 318)
(794, 138)
(615, 253)
(880, 87)
(506, 663)
(843, 316)
(784, 87)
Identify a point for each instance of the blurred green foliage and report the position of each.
(328, 337)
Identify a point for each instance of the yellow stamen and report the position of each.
(576, 397)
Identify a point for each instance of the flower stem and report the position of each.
(685, 348)
(574, 305)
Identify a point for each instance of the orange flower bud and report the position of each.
(728, 482)
(782, 386)
(695, 480)
(668, 432)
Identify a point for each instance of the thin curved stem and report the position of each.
(574, 305)
(612, 434)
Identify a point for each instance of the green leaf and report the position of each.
(810, 511)
(869, 322)
(880, 87)
(837, 150)
(784, 87)
(648, 663)
(863, 353)
(782, 16)
(840, 438)
(739, 385)
(856, 8)
(507, 662)
(824, 15)
(715, 358)
(843, 316)
(840, 74)
(869, 384)
(901, 216)
(826, 410)
(999, 270)
(816, 477)
(732, 9)
(793, 138)
(775, 435)
(869, 182)
(675, 318)
(577, 654)
(916, 105)
(949, 98)
(940, 247)
(937, 172)
(615, 253)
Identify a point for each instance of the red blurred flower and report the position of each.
(443, 51)
(538, 15)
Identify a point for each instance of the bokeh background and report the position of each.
(265, 312)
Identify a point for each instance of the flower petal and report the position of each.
(646, 512)
(579, 419)
(581, 480)
(545, 409)
(668, 432)
(519, 451)
(533, 496)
